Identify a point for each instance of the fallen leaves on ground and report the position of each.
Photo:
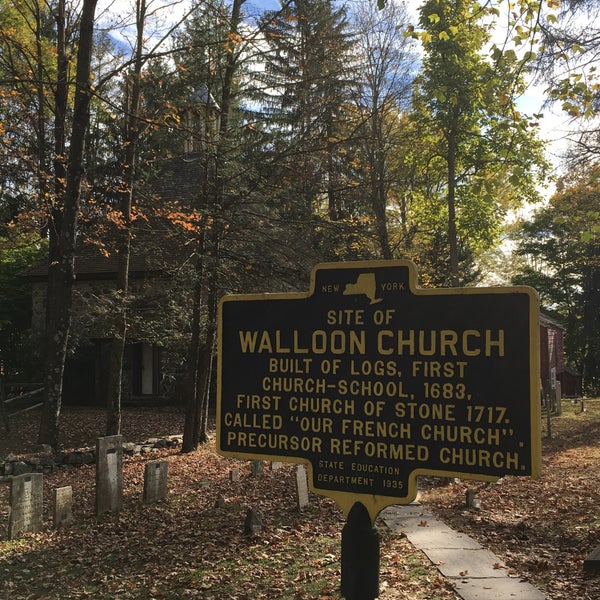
(187, 547)
(541, 529)
(192, 545)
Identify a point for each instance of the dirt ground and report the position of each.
(541, 529)
(545, 528)
(192, 545)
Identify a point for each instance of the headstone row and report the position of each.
(109, 476)
(25, 508)
(25, 512)
(26, 491)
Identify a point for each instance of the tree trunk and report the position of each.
(190, 427)
(59, 163)
(377, 172)
(206, 361)
(200, 359)
(61, 273)
(201, 352)
(204, 378)
(60, 105)
(117, 347)
(451, 200)
(117, 344)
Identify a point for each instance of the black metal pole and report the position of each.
(360, 556)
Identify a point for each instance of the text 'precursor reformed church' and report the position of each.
(371, 381)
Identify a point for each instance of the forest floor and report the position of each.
(192, 546)
(543, 529)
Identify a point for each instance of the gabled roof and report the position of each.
(178, 180)
(94, 263)
(547, 320)
(202, 96)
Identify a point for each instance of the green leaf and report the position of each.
(496, 53)
(586, 236)
(440, 96)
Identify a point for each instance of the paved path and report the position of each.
(459, 558)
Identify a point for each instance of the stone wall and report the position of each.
(46, 461)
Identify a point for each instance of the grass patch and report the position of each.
(283, 571)
(587, 409)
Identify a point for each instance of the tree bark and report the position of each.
(378, 193)
(191, 427)
(117, 347)
(61, 273)
(200, 358)
(451, 199)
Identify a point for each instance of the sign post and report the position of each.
(360, 556)
(372, 381)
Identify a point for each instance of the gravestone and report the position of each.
(276, 465)
(558, 398)
(63, 506)
(258, 467)
(234, 475)
(109, 474)
(155, 481)
(26, 504)
(302, 486)
(592, 562)
(253, 523)
(472, 502)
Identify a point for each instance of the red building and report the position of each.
(552, 359)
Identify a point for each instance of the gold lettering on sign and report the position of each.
(443, 342)
(296, 385)
(479, 457)
(319, 341)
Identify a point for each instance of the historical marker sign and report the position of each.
(372, 381)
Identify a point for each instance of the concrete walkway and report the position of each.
(473, 571)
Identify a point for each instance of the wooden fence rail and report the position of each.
(18, 398)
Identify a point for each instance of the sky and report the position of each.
(554, 126)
